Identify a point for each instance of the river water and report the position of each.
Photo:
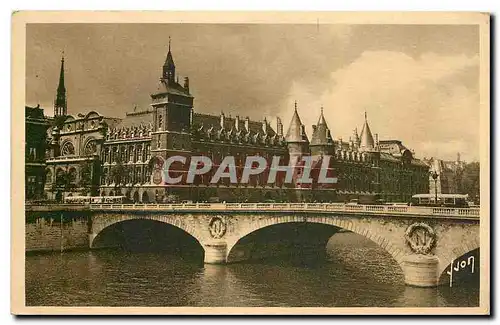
(358, 273)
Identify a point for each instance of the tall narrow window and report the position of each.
(139, 153)
(160, 121)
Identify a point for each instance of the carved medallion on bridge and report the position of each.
(420, 237)
(217, 227)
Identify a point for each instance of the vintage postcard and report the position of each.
(250, 163)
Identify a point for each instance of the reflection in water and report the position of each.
(357, 273)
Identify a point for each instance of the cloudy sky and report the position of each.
(417, 83)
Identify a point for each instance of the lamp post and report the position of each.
(435, 177)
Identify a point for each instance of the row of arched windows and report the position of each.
(126, 153)
(131, 175)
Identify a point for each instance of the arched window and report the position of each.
(90, 148)
(60, 176)
(72, 175)
(122, 154)
(105, 157)
(131, 153)
(139, 153)
(104, 177)
(48, 176)
(115, 154)
(67, 149)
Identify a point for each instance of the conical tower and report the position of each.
(321, 141)
(296, 137)
(366, 139)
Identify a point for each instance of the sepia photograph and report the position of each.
(237, 163)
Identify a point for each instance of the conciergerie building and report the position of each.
(96, 155)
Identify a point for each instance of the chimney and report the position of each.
(237, 123)
(222, 120)
(376, 139)
(247, 124)
(186, 83)
(279, 127)
(264, 126)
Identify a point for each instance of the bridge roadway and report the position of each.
(422, 240)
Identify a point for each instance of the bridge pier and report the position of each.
(216, 252)
(421, 270)
(92, 236)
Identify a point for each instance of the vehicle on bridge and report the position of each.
(443, 200)
(94, 199)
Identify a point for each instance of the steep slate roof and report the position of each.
(171, 88)
(367, 141)
(295, 131)
(34, 112)
(136, 119)
(213, 121)
(321, 133)
(394, 147)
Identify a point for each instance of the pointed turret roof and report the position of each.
(321, 133)
(366, 141)
(169, 61)
(321, 120)
(296, 131)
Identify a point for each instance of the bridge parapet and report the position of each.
(438, 212)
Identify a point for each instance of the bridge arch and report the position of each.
(363, 230)
(447, 256)
(100, 223)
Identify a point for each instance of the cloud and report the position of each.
(431, 103)
(418, 83)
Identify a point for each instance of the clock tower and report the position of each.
(172, 112)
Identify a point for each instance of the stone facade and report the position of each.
(51, 233)
(447, 181)
(35, 146)
(91, 154)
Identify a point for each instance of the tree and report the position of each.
(85, 177)
(470, 181)
(118, 173)
(63, 182)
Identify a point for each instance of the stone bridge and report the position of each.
(422, 240)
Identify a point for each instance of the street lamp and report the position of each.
(435, 177)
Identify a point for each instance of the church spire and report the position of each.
(60, 104)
